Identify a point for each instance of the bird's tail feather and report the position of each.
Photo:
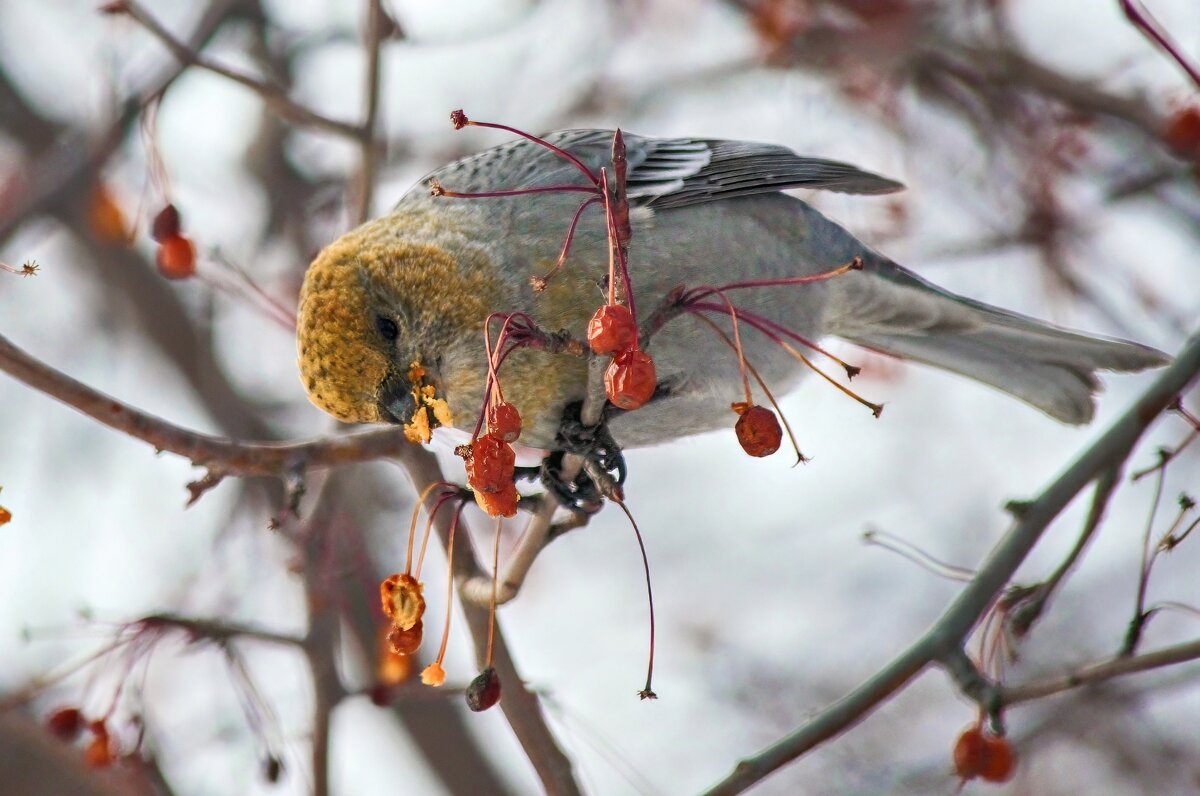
(891, 310)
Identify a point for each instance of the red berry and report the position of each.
(499, 504)
(980, 754)
(491, 464)
(165, 225)
(504, 421)
(611, 329)
(65, 723)
(629, 380)
(176, 257)
(1183, 132)
(757, 430)
(484, 691)
(406, 642)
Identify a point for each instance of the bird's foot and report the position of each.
(602, 458)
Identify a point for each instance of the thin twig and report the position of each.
(1100, 672)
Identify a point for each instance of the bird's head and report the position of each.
(387, 325)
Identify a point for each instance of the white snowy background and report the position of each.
(769, 605)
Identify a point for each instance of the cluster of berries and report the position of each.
(176, 256)
(491, 461)
(980, 753)
(69, 724)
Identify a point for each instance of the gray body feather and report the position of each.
(709, 213)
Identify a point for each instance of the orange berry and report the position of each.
(504, 421)
(611, 329)
(499, 504)
(1000, 762)
(65, 723)
(104, 216)
(391, 668)
(5, 516)
(1183, 132)
(968, 753)
(406, 642)
(491, 464)
(484, 690)
(433, 675)
(630, 380)
(176, 258)
(100, 751)
(402, 601)
(166, 224)
(757, 430)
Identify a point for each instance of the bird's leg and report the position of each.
(596, 446)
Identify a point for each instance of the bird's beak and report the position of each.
(413, 400)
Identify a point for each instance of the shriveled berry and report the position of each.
(504, 421)
(433, 675)
(630, 379)
(484, 690)
(491, 464)
(757, 430)
(176, 257)
(499, 504)
(166, 224)
(65, 723)
(611, 329)
(406, 642)
(272, 769)
(402, 601)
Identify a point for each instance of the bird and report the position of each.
(392, 314)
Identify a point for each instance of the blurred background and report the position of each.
(1049, 168)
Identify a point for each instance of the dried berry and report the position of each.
(630, 380)
(406, 642)
(757, 430)
(166, 224)
(5, 516)
(491, 464)
(504, 421)
(176, 257)
(65, 723)
(402, 601)
(484, 690)
(433, 675)
(611, 329)
(499, 504)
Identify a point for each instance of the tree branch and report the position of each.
(943, 641)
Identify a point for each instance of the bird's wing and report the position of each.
(678, 172)
(663, 172)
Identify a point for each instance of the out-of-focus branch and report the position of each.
(272, 95)
(1136, 13)
(365, 183)
(225, 456)
(943, 641)
(69, 166)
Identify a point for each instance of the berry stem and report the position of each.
(449, 584)
(647, 692)
(412, 528)
(436, 189)
(539, 282)
(460, 120)
(495, 582)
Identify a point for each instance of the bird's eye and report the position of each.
(387, 327)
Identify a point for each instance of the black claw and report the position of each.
(591, 442)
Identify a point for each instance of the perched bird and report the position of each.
(392, 313)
